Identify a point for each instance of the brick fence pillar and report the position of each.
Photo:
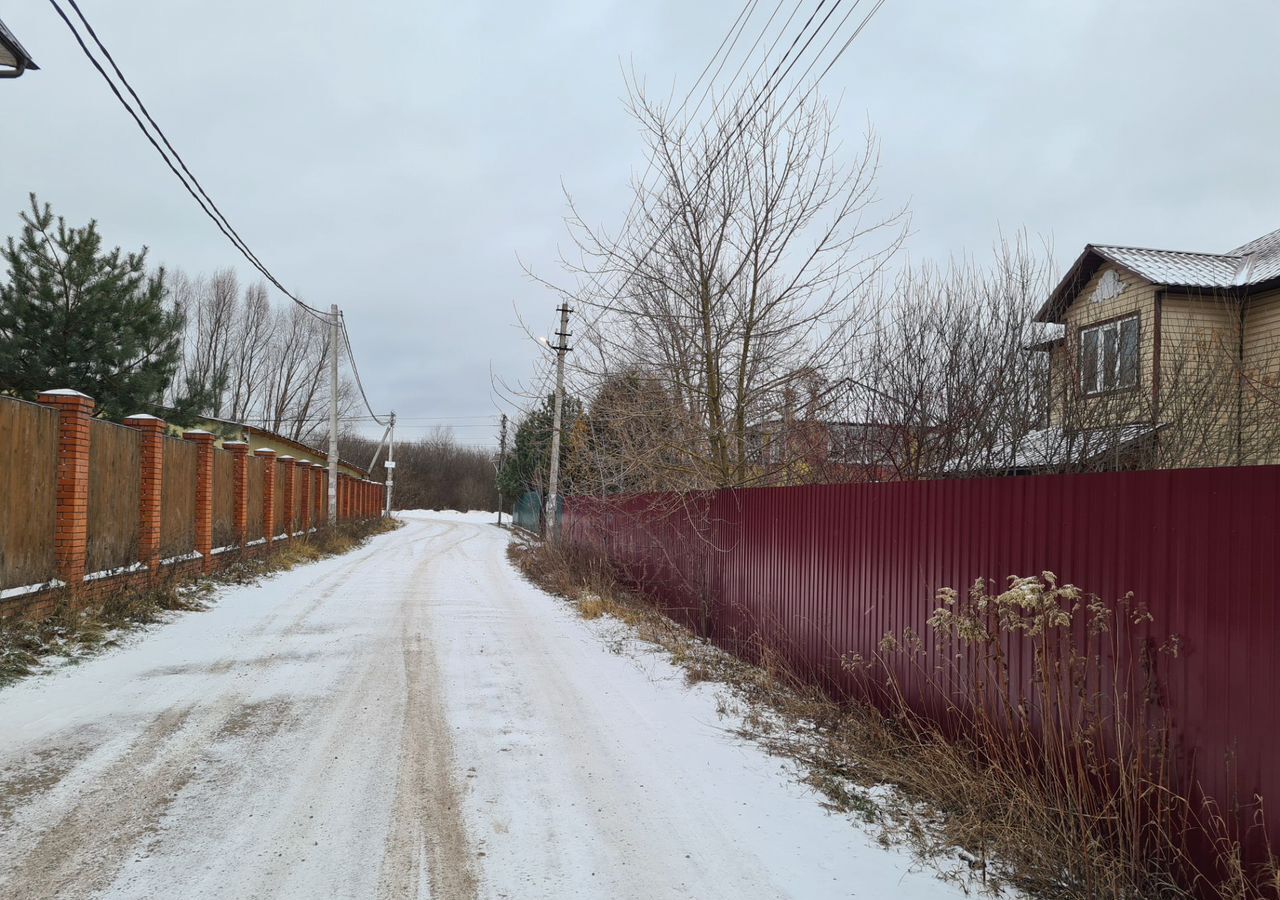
(342, 497)
(268, 494)
(304, 492)
(204, 495)
(71, 528)
(287, 489)
(151, 451)
(239, 451)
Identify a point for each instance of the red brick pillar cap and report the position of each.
(263, 451)
(235, 446)
(143, 420)
(197, 434)
(64, 392)
(287, 458)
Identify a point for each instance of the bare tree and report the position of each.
(950, 364)
(738, 274)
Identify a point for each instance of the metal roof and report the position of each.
(1054, 447)
(1174, 267)
(1249, 264)
(12, 54)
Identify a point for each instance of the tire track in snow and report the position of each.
(428, 843)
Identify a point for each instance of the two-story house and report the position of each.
(1170, 357)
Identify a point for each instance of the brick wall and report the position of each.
(302, 488)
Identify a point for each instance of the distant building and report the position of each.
(263, 439)
(14, 59)
(1167, 358)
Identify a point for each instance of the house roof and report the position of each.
(1250, 264)
(1050, 448)
(12, 54)
(304, 449)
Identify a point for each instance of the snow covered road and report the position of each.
(408, 720)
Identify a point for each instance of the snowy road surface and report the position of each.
(408, 720)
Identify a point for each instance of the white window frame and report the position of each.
(1110, 375)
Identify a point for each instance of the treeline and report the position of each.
(433, 472)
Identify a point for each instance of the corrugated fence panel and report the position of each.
(813, 573)
(178, 499)
(115, 484)
(257, 493)
(224, 498)
(29, 486)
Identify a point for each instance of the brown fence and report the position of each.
(115, 474)
(28, 492)
(300, 484)
(224, 499)
(84, 502)
(178, 503)
(282, 472)
(257, 494)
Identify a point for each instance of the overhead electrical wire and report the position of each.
(351, 357)
(760, 100)
(185, 176)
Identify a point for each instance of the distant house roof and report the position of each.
(304, 449)
(12, 53)
(1254, 263)
(1054, 448)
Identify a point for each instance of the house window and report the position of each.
(1109, 356)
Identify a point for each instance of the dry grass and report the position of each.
(70, 635)
(987, 810)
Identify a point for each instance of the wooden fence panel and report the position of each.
(28, 488)
(115, 484)
(257, 490)
(178, 499)
(282, 472)
(300, 486)
(224, 498)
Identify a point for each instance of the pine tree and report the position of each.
(74, 316)
(529, 459)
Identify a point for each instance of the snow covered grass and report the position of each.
(69, 636)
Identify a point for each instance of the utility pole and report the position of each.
(553, 476)
(502, 458)
(391, 461)
(333, 413)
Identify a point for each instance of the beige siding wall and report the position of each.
(1070, 407)
(1260, 407)
(1199, 387)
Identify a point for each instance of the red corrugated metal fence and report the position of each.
(816, 572)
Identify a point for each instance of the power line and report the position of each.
(202, 198)
(351, 356)
(758, 102)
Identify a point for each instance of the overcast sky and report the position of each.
(395, 158)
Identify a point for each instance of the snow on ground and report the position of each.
(409, 720)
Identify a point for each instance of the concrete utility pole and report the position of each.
(502, 458)
(333, 413)
(553, 477)
(391, 461)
